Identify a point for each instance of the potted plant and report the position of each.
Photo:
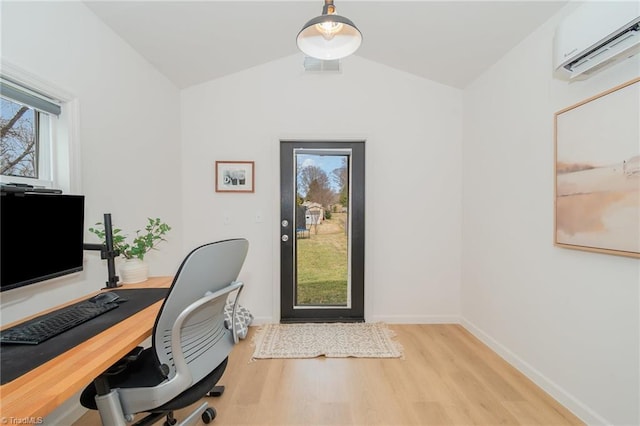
(135, 269)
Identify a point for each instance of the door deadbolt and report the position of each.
(285, 238)
(284, 223)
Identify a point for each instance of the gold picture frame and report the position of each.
(597, 173)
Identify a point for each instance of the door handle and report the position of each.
(285, 238)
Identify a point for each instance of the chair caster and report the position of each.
(208, 415)
(216, 391)
(170, 420)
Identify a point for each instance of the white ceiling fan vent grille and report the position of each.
(319, 65)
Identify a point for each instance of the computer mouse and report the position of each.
(106, 297)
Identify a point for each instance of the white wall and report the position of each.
(128, 134)
(412, 129)
(568, 319)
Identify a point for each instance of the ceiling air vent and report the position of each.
(318, 65)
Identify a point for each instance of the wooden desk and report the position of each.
(41, 390)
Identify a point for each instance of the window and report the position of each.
(28, 122)
(50, 154)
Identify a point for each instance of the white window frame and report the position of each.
(63, 157)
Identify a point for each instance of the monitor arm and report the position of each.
(107, 252)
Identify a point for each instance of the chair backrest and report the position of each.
(208, 270)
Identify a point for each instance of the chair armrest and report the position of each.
(102, 381)
(123, 362)
(182, 370)
(234, 330)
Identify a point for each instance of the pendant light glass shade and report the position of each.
(329, 36)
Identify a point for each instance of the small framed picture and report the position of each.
(235, 176)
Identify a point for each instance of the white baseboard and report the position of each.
(571, 403)
(263, 320)
(415, 319)
(390, 319)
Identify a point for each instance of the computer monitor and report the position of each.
(41, 237)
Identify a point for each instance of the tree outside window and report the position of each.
(18, 139)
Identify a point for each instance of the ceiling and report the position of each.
(450, 42)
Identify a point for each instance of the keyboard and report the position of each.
(48, 325)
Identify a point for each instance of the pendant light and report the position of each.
(329, 36)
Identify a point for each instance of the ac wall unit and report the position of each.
(594, 37)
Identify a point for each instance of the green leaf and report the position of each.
(141, 244)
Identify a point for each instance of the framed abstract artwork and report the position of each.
(597, 173)
(235, 176)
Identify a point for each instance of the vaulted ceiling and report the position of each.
(450, 42)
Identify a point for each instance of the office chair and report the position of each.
(189, 350)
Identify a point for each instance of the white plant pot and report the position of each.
(134, 271)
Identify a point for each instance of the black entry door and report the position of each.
(322, 231)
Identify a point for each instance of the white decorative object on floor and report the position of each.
(243, 318)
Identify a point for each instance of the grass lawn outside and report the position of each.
(322, 263)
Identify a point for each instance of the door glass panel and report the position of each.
(322, 223)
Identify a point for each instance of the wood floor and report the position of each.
(447, 377)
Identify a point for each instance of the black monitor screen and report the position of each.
(41, 237)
